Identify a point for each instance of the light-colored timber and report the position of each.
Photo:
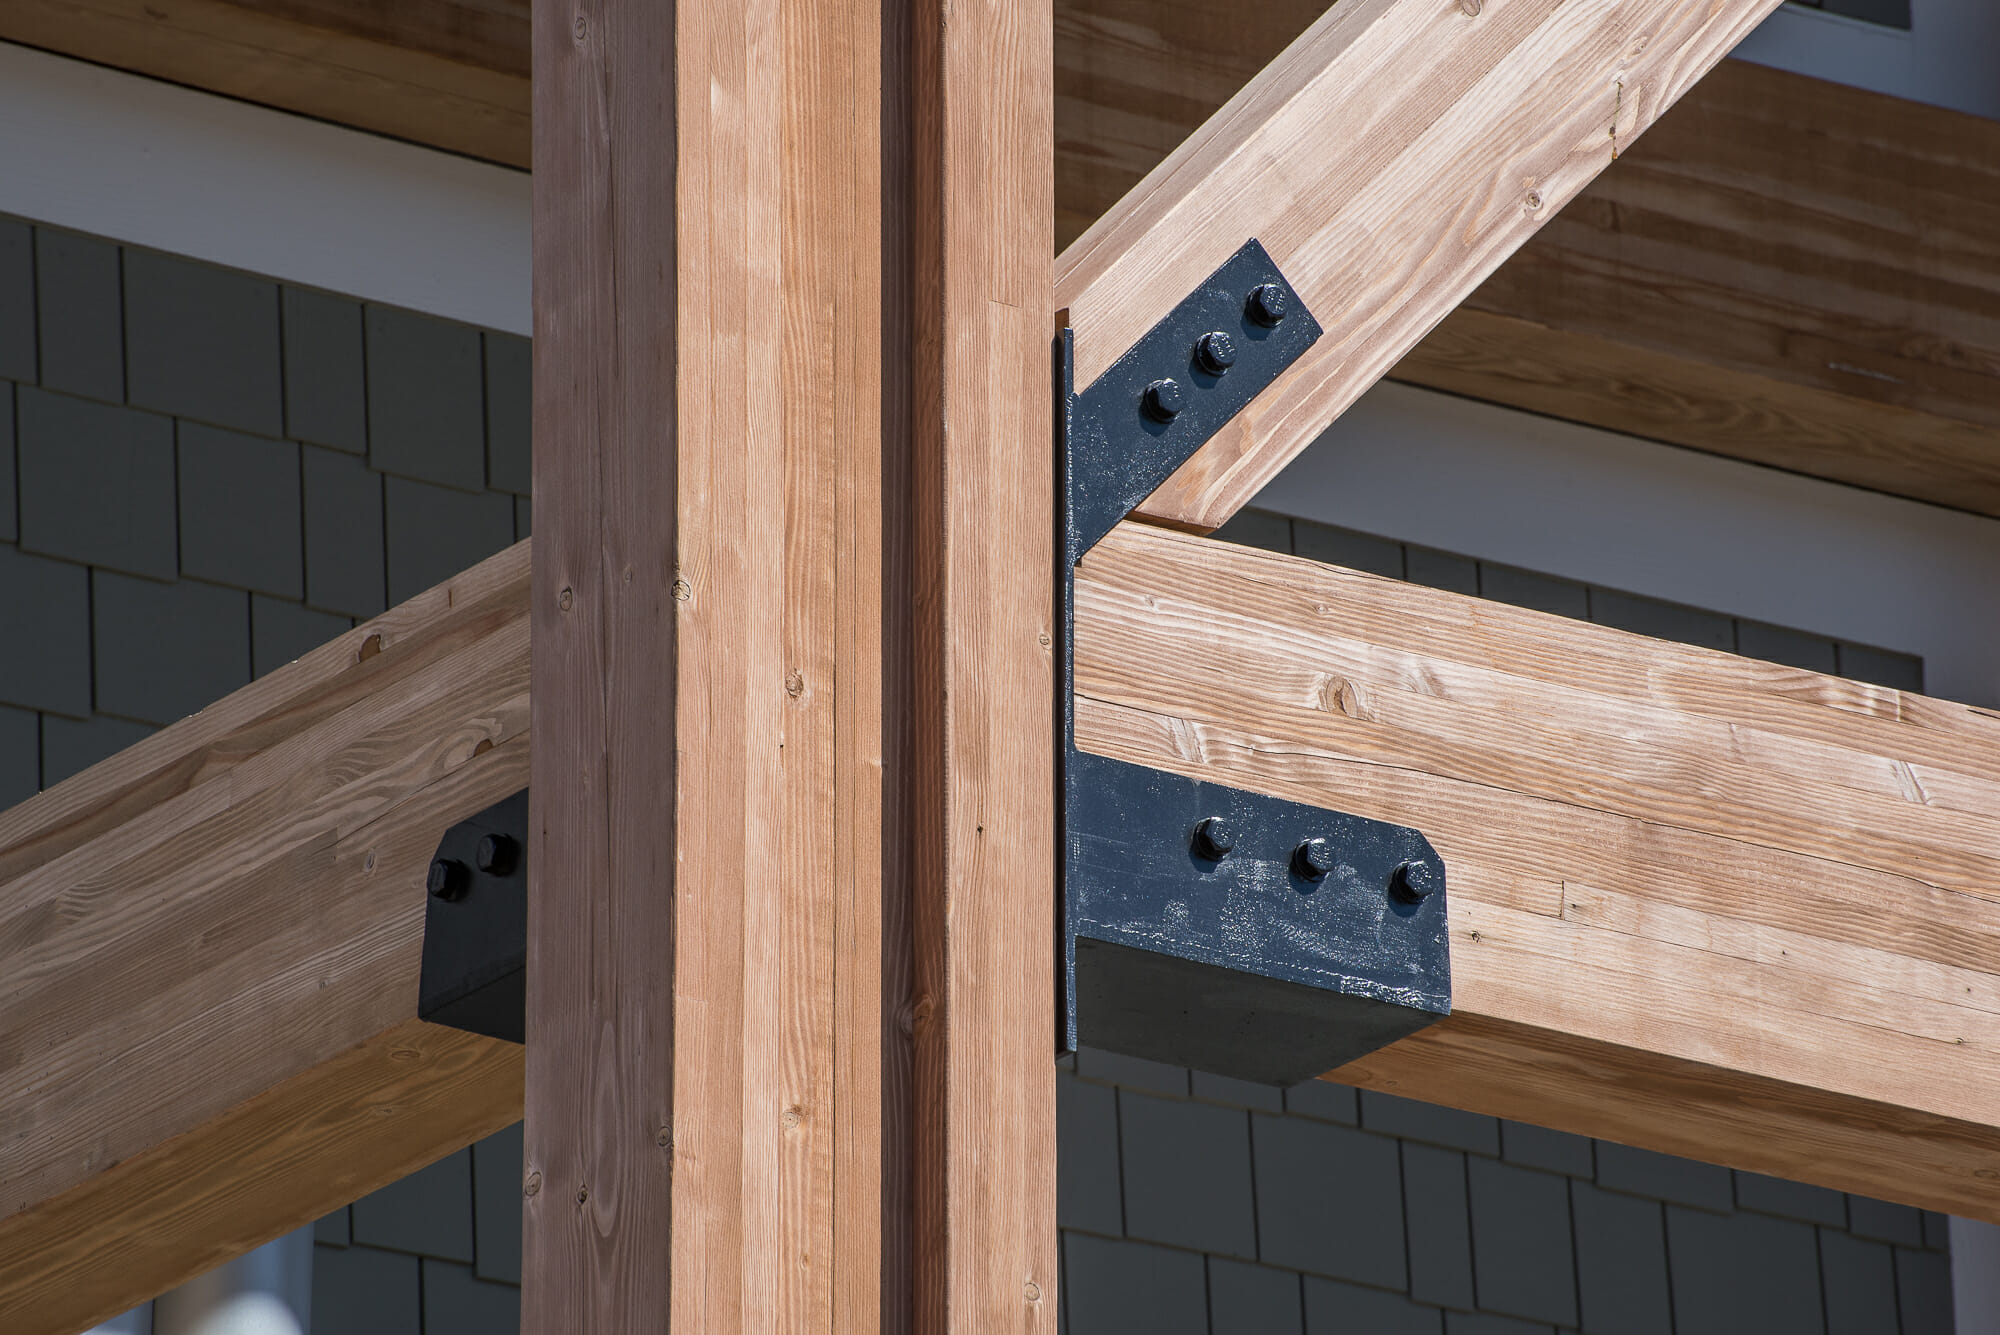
(983, 786)
(1784, 270)
(789, 1011)
(449, 73)
(1788, 271)
(1699, 904)
(1389, 160)
(209, 950)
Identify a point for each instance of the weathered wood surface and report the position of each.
(1389, 159)
(983, 785)
(1700, 904)
(209, 950)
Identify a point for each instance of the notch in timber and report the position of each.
(1202, 924)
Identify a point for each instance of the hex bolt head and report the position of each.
(1415, 881)
(1163, 401)
(1313, 858)
(1214, 837)
(448, 880)
(497, 855)
(1215, 352)
(1267, 305)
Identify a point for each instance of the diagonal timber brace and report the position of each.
(1207, 925)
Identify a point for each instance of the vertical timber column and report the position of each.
(718, 935)
(791, 940)
(984, 775)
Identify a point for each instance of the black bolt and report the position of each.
(1215, 353)
(448, 880)
(1414, 882)
(1214, 837)
(498, 855)
(1163, 400)
(1313, 858)
(1267, 305)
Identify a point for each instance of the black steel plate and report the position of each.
(1117, 454)
(476, 948)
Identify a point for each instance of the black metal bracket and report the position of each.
(476, 925)
(1202, 924)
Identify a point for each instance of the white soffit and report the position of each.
(1947, 58)
(157, 165)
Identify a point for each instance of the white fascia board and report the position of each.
(157, 165)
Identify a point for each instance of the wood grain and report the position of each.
(1785, 271)
(1458, 135)
(984, 785)
(1699, 904)
(451, 75)
(211, 945)
(1788, 271)
(720, 922)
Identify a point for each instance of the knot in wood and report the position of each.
(533, 1185)
(564, 600)
(1470, 8)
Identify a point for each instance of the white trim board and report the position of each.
(157, 165)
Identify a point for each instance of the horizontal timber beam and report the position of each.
(209, 956)
(1701, 904)
(1698, 904)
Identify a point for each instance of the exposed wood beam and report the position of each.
(209, 949)
(1389, 159)
(1699, 904)
(1788, 271)
(449, 73)
(1783, 270)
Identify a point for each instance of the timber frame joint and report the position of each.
(1206, 925)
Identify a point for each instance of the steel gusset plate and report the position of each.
(475, 964)
(1260, 962)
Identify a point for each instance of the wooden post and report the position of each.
(792, 772)
(985, 786)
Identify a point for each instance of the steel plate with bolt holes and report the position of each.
(1243, 964)
(1118, 451)
(1202, 924)
(476, 925)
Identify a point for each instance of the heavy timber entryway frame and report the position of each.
(789, 687)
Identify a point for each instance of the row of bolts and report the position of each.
(1412, 882)
(1215, 352)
